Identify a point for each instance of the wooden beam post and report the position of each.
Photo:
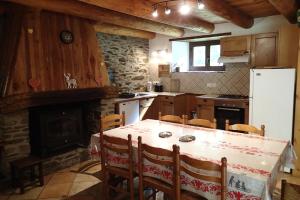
(80, 9)
(120, 30)
(223, 9)
(296, 172)
(143, 9)
(288, 8)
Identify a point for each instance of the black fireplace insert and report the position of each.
(56, 129)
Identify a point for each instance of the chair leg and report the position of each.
(32, 173)
(131, 182)
(21, 182)
(106, 188)
(13, 176)
(41, 176)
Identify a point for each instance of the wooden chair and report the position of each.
(112, 121)
(171, 118)
(204, 165)
(202, 123)
(146, 152)
(245, 128)
(289, 191)
(113, 177)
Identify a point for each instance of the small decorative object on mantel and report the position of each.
(34, 83)
(187, 138)
(71, 83)
(163, 70)
(66, 37)
(165, 134)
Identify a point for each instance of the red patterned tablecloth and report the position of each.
(254, 162)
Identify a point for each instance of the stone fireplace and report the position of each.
(58, 133)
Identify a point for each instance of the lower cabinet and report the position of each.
(205, 109)
(205, 112)
(172, 105)
(167, 105)
(149, 108)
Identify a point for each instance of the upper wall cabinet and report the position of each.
(264, 50)
(288, 45)
(235, 46)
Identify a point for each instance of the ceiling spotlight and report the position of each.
(167, 10)
(184, 9)
(155, 12)
(200, 5)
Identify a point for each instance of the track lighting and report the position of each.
(155, 12)
(167, 9)
(184, 9)
(200, 5)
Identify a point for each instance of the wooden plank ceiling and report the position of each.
(253, 8)
(134, 17)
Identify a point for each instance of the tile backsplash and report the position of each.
(235, 80)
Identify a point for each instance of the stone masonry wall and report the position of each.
(14, 130)
(127, 60)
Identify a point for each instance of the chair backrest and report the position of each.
(220, 170)
(154, 155)
(116, 145)
(112, 121)
(289, 191)
(203, 123)
(245, 128)
(171, 118)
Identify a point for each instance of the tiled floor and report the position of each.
(63, 185)
(69, 184)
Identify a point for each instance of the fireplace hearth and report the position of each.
(56, 129)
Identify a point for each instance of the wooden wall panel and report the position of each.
(296, 172)
(42, 57)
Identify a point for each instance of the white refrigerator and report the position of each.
(271, 101)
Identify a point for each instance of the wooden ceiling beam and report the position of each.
(225, 10)
(287, 8)
(120, 30)
(80, 9)
(144, 9)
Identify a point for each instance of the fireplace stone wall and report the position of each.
(14, 129)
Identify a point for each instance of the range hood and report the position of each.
(235, 59)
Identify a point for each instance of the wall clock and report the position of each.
(66, 37)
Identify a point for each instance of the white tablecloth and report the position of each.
(253, 161)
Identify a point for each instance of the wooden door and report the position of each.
(235, 46)
(288, 38)
(149, 108)
(166, 107)
(205, 112)
(264, 50)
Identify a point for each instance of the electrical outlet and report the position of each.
(211, 85)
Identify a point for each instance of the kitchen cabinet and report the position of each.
(172, 105)
(264, 50)
(235, 46)
(149, 108)
(288, 39)
(205, 109)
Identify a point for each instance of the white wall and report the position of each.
(261, 25)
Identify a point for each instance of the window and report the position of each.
(204, 56)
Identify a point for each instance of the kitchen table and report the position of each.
(254, 162)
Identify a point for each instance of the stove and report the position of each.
(232, 96)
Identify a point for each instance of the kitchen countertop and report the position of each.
(173, 94)
(149, 95)
(216, 96)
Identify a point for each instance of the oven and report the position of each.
(234, 111)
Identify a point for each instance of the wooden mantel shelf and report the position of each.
(22, 101)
